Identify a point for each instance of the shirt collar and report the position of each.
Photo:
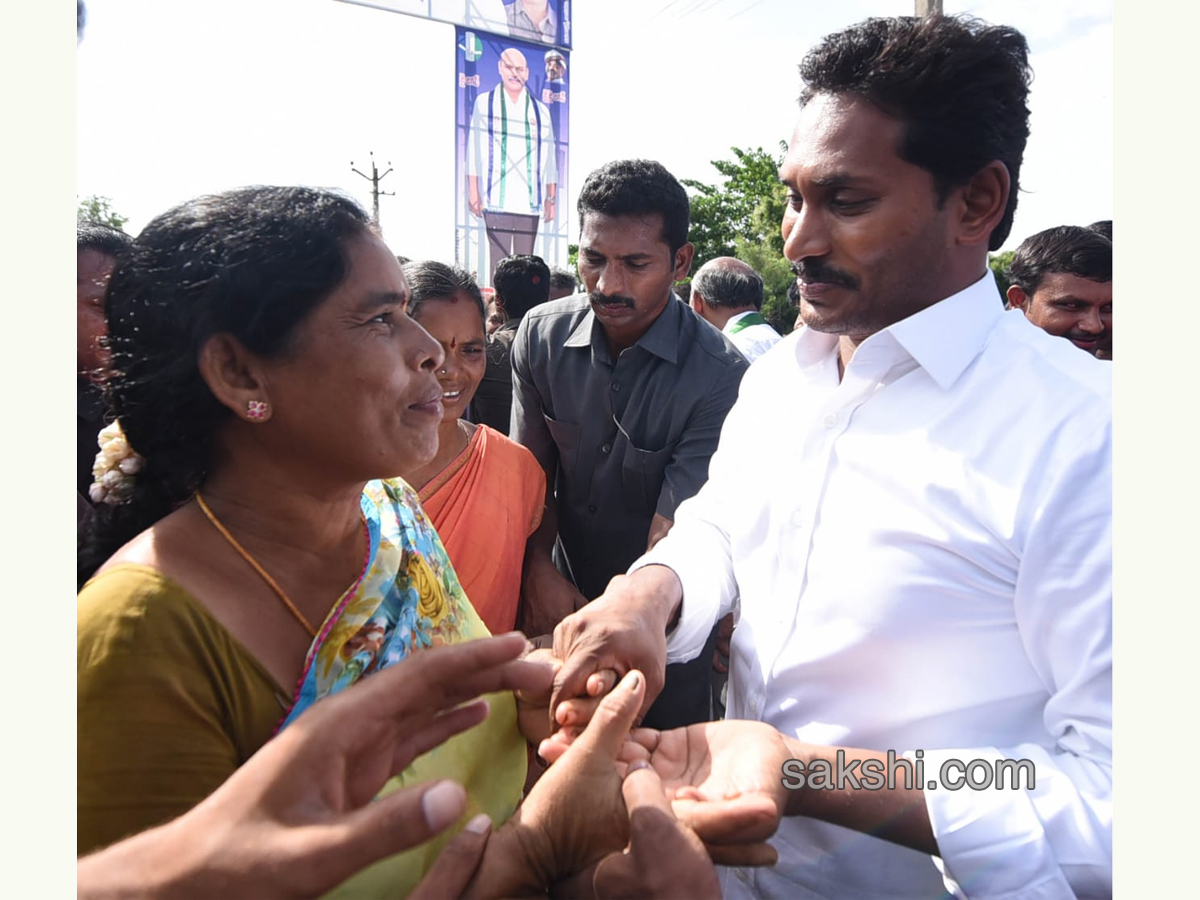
(733, 320)
(943, 338)
(661, 338)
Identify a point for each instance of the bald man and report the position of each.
(728, 294)
(512, 178)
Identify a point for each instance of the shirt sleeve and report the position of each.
(1054, 839)
(528, 424)
(476, 136)
(550, 160)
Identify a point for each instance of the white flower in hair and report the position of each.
(114, 468)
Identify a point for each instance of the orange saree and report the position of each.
(484, 505)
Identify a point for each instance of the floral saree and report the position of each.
(408, 598)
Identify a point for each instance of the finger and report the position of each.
(760, 854)
(718, 666)
(643, 789)
(745, 819)
(577, 712)
(571, 680)
(610, 725)
(600, 683)
(447, 675)
(456, 864)
(392, 823)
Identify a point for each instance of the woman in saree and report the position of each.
(483, 492)
(246, 559)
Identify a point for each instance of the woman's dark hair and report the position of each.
(431, 280)
(958, 85)
(252, 263)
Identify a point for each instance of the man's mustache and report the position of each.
(611, 299)
(816, 271)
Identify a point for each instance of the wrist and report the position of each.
(658, 593)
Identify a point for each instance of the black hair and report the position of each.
(1104, 227)
(958, 86)
(101, 238)
(430, 280)
(731, 287)
(638, 187)
(560, 278)
(252, 263)
(521, 283)
(1067, 248)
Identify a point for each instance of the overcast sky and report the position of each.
(177, 99)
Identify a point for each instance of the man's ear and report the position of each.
(232, 373)
(696, 302)
(1017, 298)
(982, 202)
(683, 261)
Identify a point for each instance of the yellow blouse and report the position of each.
(170, 703)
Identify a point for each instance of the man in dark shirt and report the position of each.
(521, 283)
(621, 394)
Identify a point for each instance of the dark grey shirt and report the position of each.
(620, 439)
(492, 405)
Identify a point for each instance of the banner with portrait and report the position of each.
(540, 21)
(511, 159)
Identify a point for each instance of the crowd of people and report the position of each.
(328, 475)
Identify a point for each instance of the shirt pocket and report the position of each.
(566, 439)
(641, 476)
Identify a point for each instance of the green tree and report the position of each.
(999, 263)
(99, 209)
(724, 212)
(741, 217)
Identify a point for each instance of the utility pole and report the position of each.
(375, 177)
(929, 7)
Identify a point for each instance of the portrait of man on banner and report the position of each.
(511, 100)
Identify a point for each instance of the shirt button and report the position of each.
(754, 705)
(616, 385)
(830, 420)
(592, 508)
(743, 876)
(606, 448)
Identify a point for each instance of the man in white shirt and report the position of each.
(512, 176)
(728, 294)
(927, 568)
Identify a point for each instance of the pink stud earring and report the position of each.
(258, 410)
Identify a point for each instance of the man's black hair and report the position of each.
(1067, 248)
(521, 283)
(638, 187)
(101, 238)
(560, 278)
(958, 85)
(1104, 227)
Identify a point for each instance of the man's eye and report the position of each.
(384, 318)
(795, 201)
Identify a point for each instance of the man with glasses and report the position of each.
(620, 394)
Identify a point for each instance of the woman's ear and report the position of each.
(233, 375)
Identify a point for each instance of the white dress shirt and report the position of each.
(753, 340)
(922, 553)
